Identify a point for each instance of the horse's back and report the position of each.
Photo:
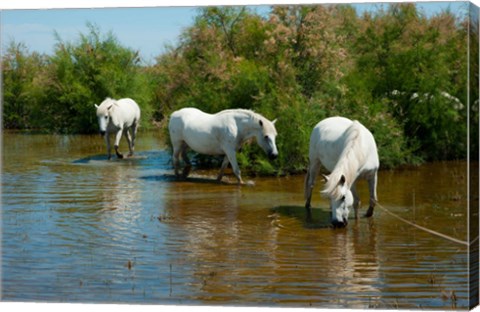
(187, 117)
(324, 141)
(331, 129)
(130, 107)
(199, 130)
(328, 140)
(188, 114)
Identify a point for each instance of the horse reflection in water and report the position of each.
(236, 253)
(120, 199)
(308, 273)
(223, 133)
(348, 150)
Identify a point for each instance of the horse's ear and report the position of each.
(109, 107)
(261, 123)
(274, 121)
(325, 177)
(342, 180)
(96, 106)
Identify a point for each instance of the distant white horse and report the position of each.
(348, 150)
(222, 133)
(118, 116)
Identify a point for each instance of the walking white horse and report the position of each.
(119, 116)
(348, 150)
(222, 133)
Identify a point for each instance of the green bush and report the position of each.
(20, 70)
(401, 73)
(64, 87)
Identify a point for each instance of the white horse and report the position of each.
(348, 150)
(118, 116)
(222, 133)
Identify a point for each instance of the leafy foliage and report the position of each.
(77, 76)
(419, 66)
(20, 70)
(398, 72)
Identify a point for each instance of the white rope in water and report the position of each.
(458, 241)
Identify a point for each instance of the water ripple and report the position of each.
(79, 228)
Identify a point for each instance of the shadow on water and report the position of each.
(141, 156)
(316, 218)
(168, 177)
(88, 159)
(158, 159)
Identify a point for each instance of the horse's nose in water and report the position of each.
(338, 224)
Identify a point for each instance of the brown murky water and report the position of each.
(79, 228)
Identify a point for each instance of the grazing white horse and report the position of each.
(348, 151)
(222, 133)
(118, 116)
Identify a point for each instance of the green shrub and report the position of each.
(391, 70)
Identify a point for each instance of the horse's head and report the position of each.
(266, 137)
(341, 199)
(103, 114)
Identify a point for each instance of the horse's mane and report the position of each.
(103, 106)
(348, 163)
(247, 112)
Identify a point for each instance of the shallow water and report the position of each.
(79, 228)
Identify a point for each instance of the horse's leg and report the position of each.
(117, 141)
(129, 141)
(372, 188)
(176, 156)
(188, 164)
(222, 169)
(107, 141)
(134, 136)
(356, 198)
(232, 157)
(312, 173)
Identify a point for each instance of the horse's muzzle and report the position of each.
(102, 133)
(339, 224)
(273, 156)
